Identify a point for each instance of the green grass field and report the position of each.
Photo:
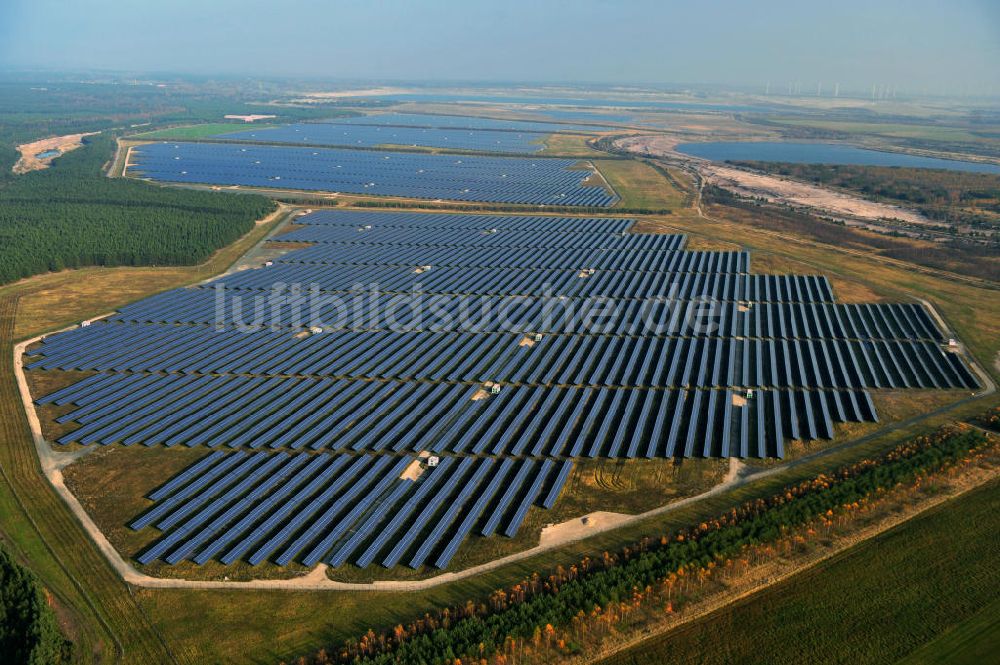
(199, 131)
(640, 185)
(574, 145)
(876, 603)
(972, 642)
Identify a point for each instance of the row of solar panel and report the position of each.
(519, 420)
(526, 282)
(441, 312)
(553, 359)
(325, 134)
(475, 178)
(419, 222)
(459, 122)
(521, 257)
(338, 508)
(391, 235)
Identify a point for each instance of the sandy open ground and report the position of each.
(773, 188)
(317, 97)
(30, 162)
(796, 193)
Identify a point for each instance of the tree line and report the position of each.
(29, 633)
(70, 215)
(545, 616)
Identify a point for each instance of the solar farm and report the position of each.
(407, 381)
(435, 121)
(511, 180)
(482, 140)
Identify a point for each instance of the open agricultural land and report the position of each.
(461, 351)
(879, 588)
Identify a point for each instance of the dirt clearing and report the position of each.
(38, 155)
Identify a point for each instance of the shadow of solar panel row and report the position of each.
(466, 178)
(449, 418)
(410, 223)
(441, 312)
(598, 360)
(457, 122)
(370, 136)
(536, 282)
(521, 257)
(281, 507)
(393, 236)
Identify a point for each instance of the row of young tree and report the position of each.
(29, 633)
(542, 617)
(989, 420)
(70, 215)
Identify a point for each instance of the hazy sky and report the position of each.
(940, 46)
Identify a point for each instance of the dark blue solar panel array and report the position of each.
(530, 314)
(691, 282)
(406, 223)
(462, 122)
(518, 180)
(596, 360)
(370, 136)
(534, 420)
(488, 238)
(367, 509)
(506, 398)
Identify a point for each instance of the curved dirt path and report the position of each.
(551, 538)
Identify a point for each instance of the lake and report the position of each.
(822, 153)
